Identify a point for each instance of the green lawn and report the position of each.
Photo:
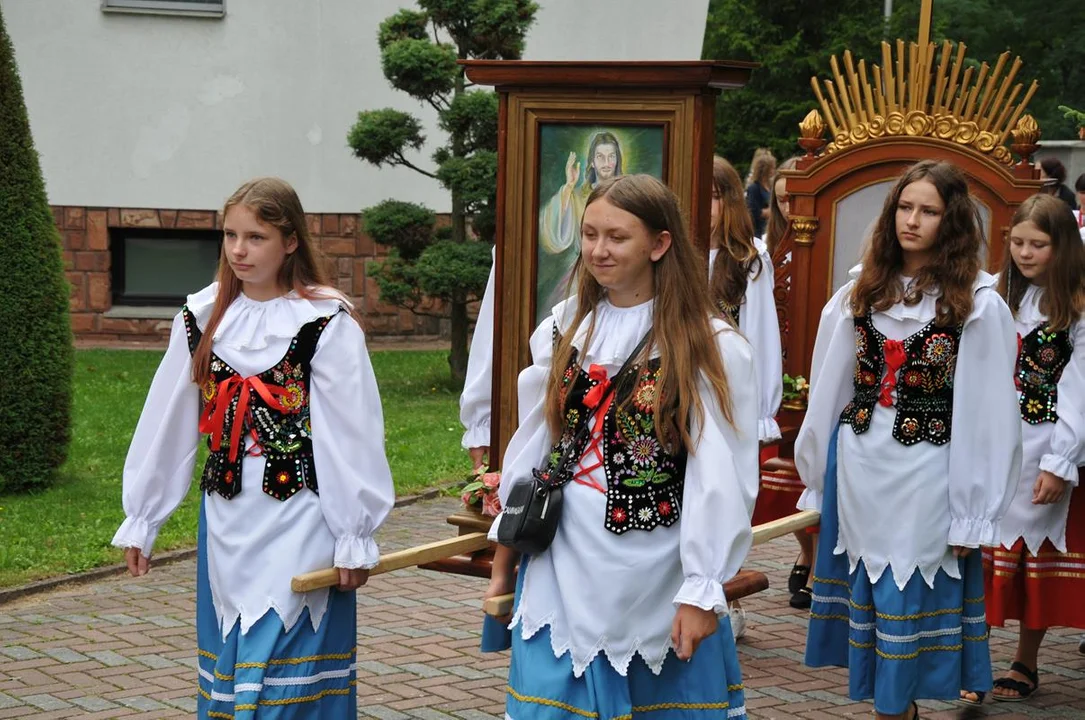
(68, 527)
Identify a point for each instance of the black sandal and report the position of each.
(802, 599)
(1023, 690)
(799, 577)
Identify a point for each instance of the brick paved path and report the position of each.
(124, 648)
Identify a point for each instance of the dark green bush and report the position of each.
(35, 330)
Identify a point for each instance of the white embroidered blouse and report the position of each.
(255, 543)
(617, 594)
(757, 320)
(1058, 448)
(903, 507)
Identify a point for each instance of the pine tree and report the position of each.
(428, 262)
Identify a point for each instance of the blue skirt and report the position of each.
(269, 673)
(898, 645)
(543, 687)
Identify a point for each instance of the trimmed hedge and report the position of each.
(35, 329)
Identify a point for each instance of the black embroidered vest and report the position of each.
(1040, 360)
(924, 382)
(644, 479)
(278, 423)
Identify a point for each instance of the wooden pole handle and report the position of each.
(501, 605)
(419, 555)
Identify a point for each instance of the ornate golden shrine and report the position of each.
(921, 104)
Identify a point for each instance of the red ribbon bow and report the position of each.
(599, 397)
(894, 358)
(213, 419)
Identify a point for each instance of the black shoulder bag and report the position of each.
(530, 517)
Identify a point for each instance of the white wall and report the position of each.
(175, 112)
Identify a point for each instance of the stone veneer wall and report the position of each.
(85, 233)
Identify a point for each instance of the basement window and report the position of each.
(191, 8)
(162, 267)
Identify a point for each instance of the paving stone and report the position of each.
(65, 655)
(46, 702)
(476, 715)
(377, 668)
(188, 704)
(78, 619)
(139, 702)
(826, 696)
(372, 631)
(420, 669)
(165, 622)
(466, 673)
(94, 704)
(382, 713)
(109, 658)
(155, 662)
(428, 714)
(7, 701)
(781, 694)
(18, 652)
(120, 619)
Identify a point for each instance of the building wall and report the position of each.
(158, 118)
(162, 111)
(86, 231)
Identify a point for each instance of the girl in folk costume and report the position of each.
(1037, 576)
(270, 363)
(741, 284)
(478, 383)
(911, 449)
(618, 616)
(780, 490)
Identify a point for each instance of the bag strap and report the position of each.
(581, 436)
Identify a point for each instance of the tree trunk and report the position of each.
(457, 357)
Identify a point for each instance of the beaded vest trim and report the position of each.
(283, 436)
(729, 311)
(644, 479)
(1040, 360)
(924, 382)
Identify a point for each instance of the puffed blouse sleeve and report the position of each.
(531, 442)
(985, 444)
(478, 386)
(761, 326)
(831, 388)
(158, 469)
(356, 492)
(721, 480)
(1067, 450)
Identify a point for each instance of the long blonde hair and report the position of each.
(681, 316)
(274, 202)
(733, 234)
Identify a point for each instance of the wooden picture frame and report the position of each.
(674, 100)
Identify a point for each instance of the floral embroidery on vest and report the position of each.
(271, 407)
(644, 479)
(920, 369)
(1041, 358)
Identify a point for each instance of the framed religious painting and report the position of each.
(563, 129)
